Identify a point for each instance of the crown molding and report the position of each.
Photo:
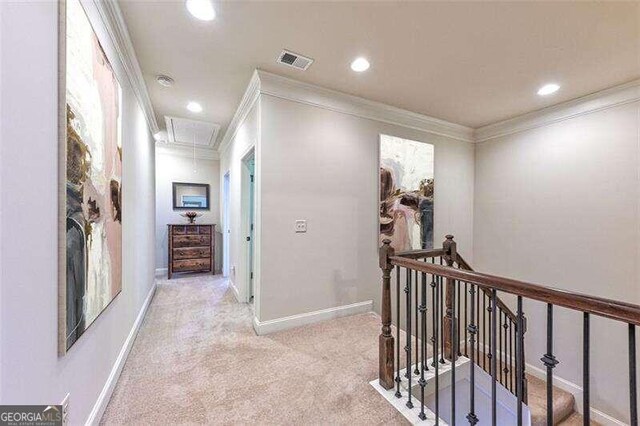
(604, 99)
(309, 94)
(265, 83)
(183, 151)
(249, 98)
(111, 16)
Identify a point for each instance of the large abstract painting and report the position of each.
(91, 177)
(406, 193)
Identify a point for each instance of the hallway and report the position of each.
(198, 360)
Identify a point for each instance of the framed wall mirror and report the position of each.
(190, 196)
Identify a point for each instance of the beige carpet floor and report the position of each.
(197, 360)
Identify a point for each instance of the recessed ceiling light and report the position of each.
(194, 107)
(548, 89)
(201, 9)
(360, 65)
(164, 80)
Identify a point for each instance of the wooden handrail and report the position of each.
(419, 254)
(462, 264)
(612, 309)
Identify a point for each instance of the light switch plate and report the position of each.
(301, 226)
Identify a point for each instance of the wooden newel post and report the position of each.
(450, 321)
(386, 338)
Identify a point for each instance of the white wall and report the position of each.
(244, 140)
(322, 165)
(31, 371)
(558, 205)
(175, 168)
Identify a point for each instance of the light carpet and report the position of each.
(197, 360)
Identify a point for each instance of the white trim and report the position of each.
(596, 415)
(249, 98)
(265, 83)
(235, 291)
(309, 94)
(103, 399)
(161, 272)
(183, 151)
(116, 27)
(244, 280)
(567, 386)
(285, 323)
(171, 135)
(608, 98)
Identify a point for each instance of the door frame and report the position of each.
(226, 221)
(247, 210)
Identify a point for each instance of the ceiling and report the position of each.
(468, 63)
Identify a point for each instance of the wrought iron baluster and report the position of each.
(499, 353)
(586, 411)
(398, 379)
(491, 336)
(458, 316)
(454, 333)
(494, 358)
(479, 290)
(484, 332)
(407, 291)
(416, 371)
(519, 360)
(438, 314)
(471, 417)
(441, 317)
(425, 364)
(633, 397)
(550, 362)
(504, 354)
(466, 320)
(511, 372)
(423, 337)
(434, 325)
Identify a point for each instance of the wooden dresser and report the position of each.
(191, 248)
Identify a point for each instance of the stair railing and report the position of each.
(472, 299)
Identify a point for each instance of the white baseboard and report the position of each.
(567, 386)
(272, 326)
(161, 272)
(596, 415)
(236, 293)
(105, 395)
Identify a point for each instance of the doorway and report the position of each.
(226, 230)
(248, 218)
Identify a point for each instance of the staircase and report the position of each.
(563, 404)
(452, 313)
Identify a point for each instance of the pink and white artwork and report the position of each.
(91, 152)
(406, 193)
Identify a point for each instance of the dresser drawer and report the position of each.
(192, 230)
(178, 229)
(191, 265)
(191, 240)
(205, 230)
(191, 253)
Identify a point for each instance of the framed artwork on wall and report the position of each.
(190, 196)
(90, 177)
(406, 193)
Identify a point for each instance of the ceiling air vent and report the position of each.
(294, 60)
